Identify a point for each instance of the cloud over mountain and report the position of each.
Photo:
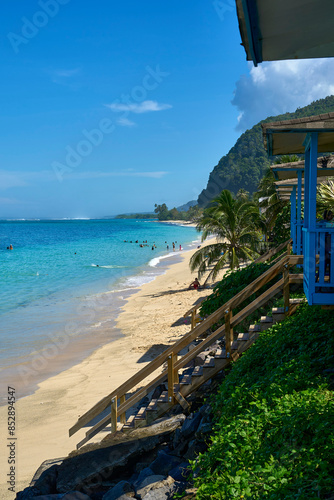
(277, 87)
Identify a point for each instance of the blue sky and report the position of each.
(109, 107)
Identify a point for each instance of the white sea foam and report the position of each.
(108, 267)
(154, 262)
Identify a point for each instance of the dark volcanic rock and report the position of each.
(72, 495)
(123, 489)
(27, 493)
(164, 463)
(142, 475)
(47, 481)
(181, 472)
(156, 487)
(190, 425)
(84, 472)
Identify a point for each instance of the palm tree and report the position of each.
(233, 222)
(325, 196)
(270, 205)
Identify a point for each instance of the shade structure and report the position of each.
(288, 136)
(288, 171)
(274, 30)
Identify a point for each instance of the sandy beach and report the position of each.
(151, 320)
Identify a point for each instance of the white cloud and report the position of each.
(277, 87)
(125, 122)
(138, 108)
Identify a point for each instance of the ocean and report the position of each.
(63, 284)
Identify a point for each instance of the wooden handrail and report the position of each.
(126, 387)
(135, 398)
(273, 251)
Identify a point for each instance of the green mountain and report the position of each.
(245, 163)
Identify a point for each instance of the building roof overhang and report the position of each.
(289, 171)
(288, 29)
(288, 136)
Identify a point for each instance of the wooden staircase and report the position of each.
(195, 377)
(181, 369)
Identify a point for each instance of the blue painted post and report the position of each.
(310, 198)
(293, 226)
(299, 214)
(313, 181)
(306, 185)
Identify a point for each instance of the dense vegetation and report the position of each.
(231, 284)
(162, 213)
(233, 221)
(136, 216)
(246, 162)
(274, 417)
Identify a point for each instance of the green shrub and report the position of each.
(274, 417)
(232, 283)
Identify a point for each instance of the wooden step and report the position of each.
(197, 371)
(254, 328)
(130, 423)
(296, 301)
(185, 380)
(140, 418)
(278, 314)
(163, 397)
(234, 345)
(209, 362)
(265, 322)
(220, 354)
(152, 405)
(243, 337)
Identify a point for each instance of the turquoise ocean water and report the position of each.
(63, 284)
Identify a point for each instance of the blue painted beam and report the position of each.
(253, 32)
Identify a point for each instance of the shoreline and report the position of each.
(150, 320)
(68, 347)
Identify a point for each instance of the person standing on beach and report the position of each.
(173, 246)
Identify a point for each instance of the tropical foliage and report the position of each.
(270, 205)
(274, 416)
(325, 196)
(232, 222)
(162, 213)
(231, 284)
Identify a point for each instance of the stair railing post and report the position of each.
(228, 331)
(193, 319)
(286, 289)
(122, 417)
(114, 414)
(176, 372)
(171, 378)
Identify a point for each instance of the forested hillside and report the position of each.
(246, 162)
